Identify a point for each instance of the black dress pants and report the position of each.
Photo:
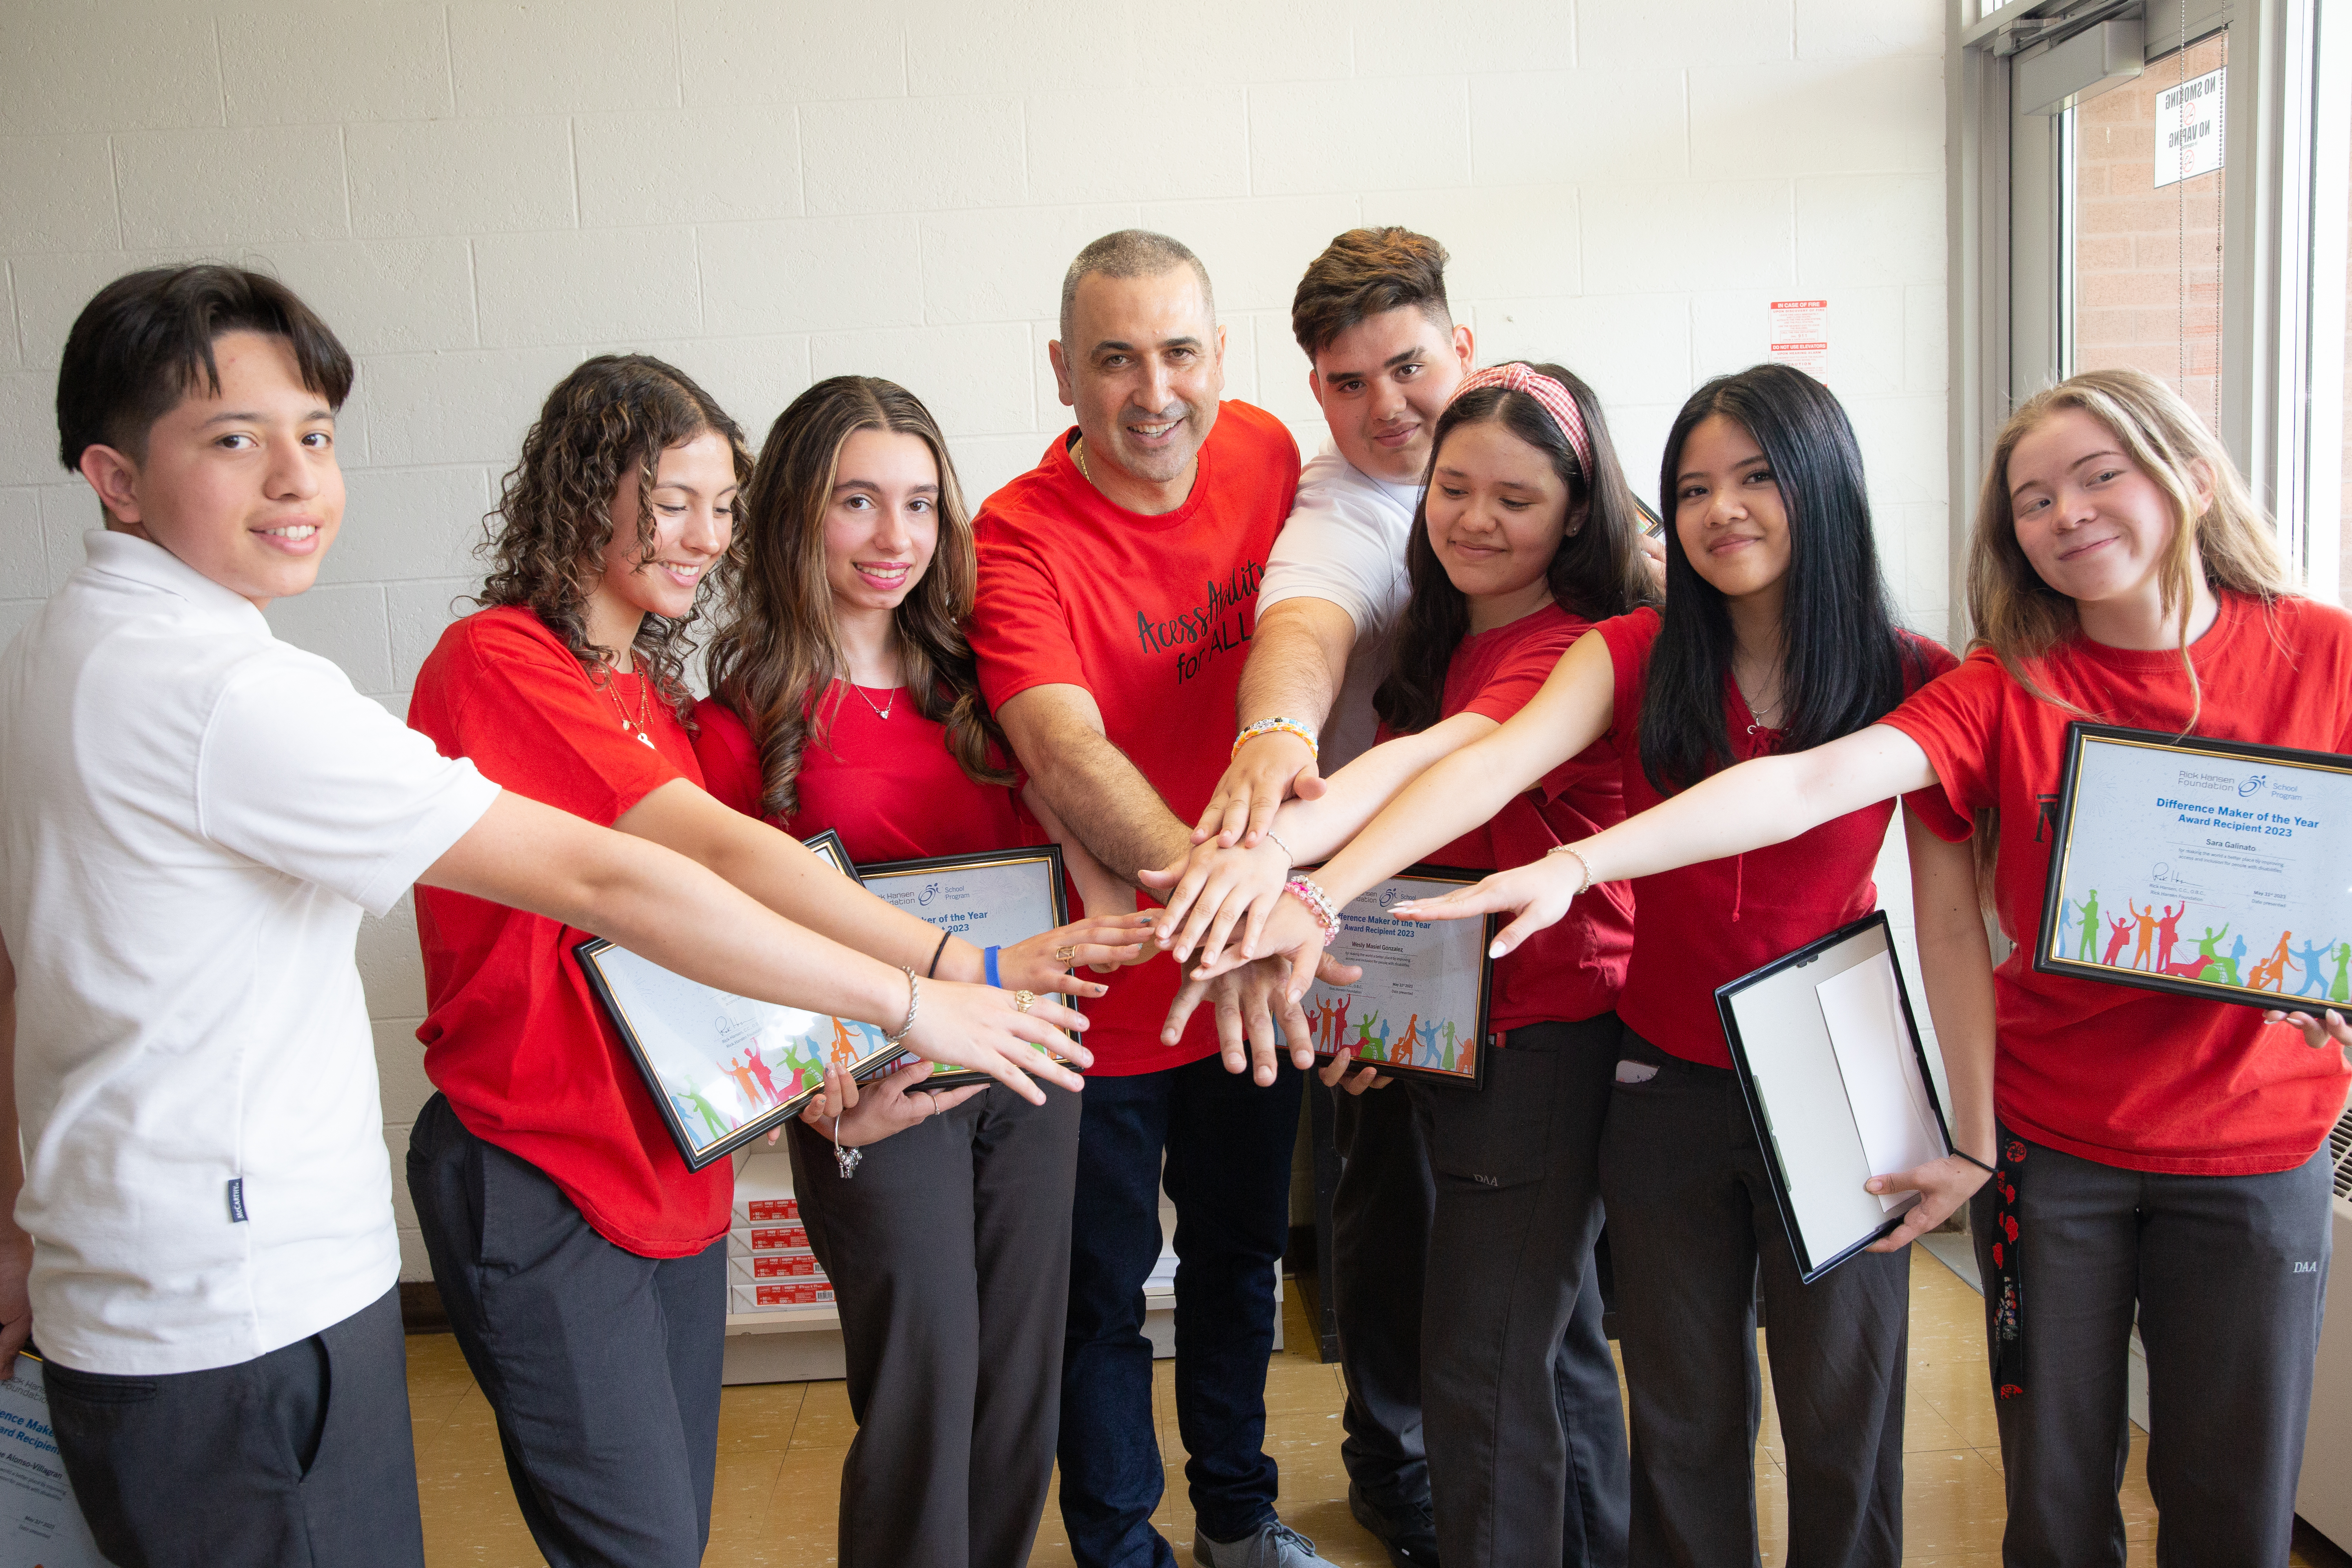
(1527, 1436)
(300, 1458)
(1379, 1245)
(950, 1257)
(2228, 1278)
(1692, 1222)
(602, 1366)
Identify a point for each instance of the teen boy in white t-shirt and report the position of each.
(1385, 356)
(192, 817)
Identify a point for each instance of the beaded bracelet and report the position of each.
(1318, 904)
(1582, 865)
(1275, 727)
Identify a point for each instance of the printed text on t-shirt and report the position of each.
(1222, 620)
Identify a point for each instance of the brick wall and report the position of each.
(479, 192)
(2148, 277)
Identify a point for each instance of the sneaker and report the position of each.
(1408, 1534)
(1272, 1546)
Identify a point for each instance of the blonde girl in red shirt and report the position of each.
(2160, 1158)
(845, 698)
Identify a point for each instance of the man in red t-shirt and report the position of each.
(1118, 590)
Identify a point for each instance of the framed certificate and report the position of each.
(1829, 1061)
(41, 1524)
(1419, 1011)
(723, 1068)
(2210, 868)
(992, 899)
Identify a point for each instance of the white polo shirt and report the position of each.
(1345, 542)
(192, 816)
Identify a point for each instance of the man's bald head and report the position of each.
(1130, 253)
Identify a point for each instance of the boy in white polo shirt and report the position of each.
(193, 817)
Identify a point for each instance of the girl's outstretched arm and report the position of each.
(1956, 960)
(1741, 809)
(1213, 886)
(1463, 791)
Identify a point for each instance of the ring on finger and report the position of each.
(1023, 1000)
(1064, 956)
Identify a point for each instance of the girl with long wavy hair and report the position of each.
(582, 1264)
(2160, 1158)
(844, 697)
(1527, 536)
(1777, 632)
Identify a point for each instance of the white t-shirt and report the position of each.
(1345, 542)
(192, 816)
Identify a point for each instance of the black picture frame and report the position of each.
(1437, 878)
(699, 1148)
(1816, 1257)
(1047, 858)
(2081, 736)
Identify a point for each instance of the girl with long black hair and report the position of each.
(1526, 538)
(1777, 632)
(2162, 1160)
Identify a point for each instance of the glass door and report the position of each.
(2143, 187)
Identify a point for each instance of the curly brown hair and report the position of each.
(780, 652)
(545, 543)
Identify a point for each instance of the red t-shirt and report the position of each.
(890, 786)
(1153, 616)
(513, 1035)
(2111, 1073)
(1572, 970)
(1706, 924)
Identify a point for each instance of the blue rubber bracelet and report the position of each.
(988, 957)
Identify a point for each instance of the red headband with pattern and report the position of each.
(1555, 397)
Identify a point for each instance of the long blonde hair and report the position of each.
(2021, 619)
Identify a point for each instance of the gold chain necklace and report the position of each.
(637, 729)
(1078, 452)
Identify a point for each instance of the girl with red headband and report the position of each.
(1527, 535)
(1776, 635)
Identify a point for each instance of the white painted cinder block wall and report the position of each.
(478, 194)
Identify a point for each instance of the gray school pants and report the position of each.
(2228, 1276)
(1379, 1239)
(950, 1256)
(1692, 1226)
(602, 1366)
(1526, 1438)
(300, 1458)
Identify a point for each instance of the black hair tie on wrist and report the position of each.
(933, 972)
(1971, 1159)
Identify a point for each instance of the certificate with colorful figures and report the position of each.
(723, 1068)
(2212, 869)
(1419, 1010)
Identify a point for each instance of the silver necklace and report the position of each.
(1757, 713)
(846, 1159)
(883, 711)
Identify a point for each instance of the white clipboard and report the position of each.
(1835, 1076)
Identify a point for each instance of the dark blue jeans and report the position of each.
(1228, 1144)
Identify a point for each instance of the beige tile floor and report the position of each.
(780, 1449)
